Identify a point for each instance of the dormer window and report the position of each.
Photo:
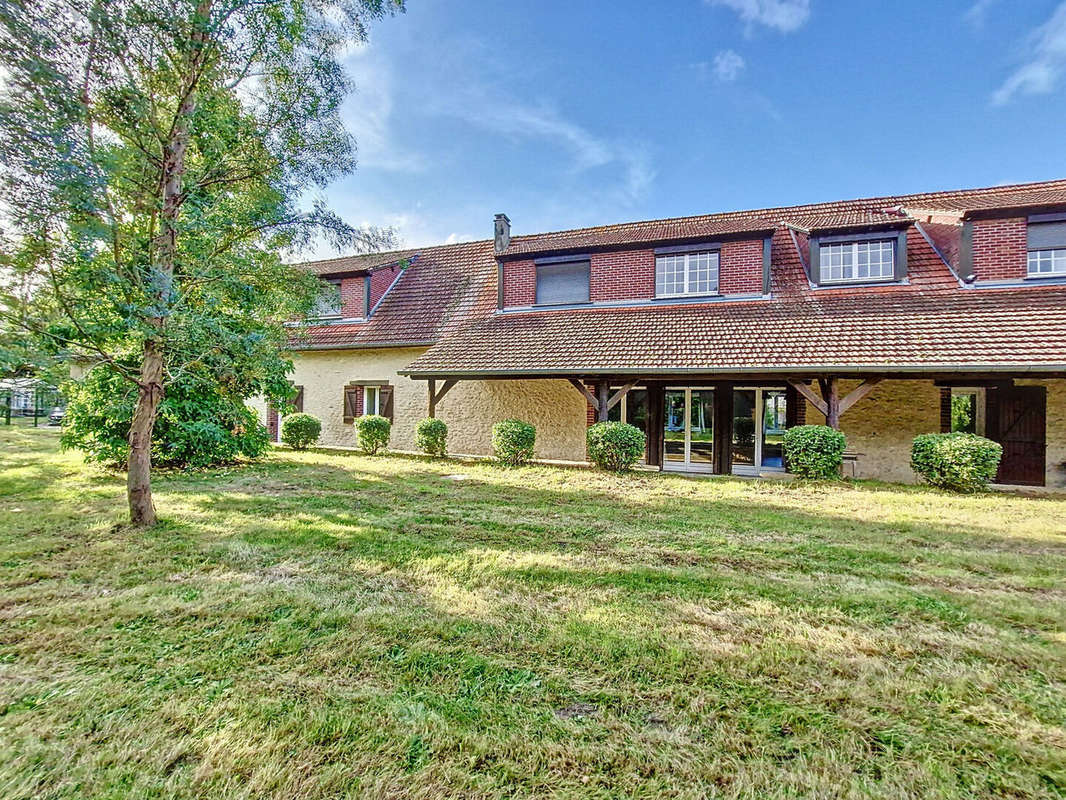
(858, 258)
(1047, 246)
(686, 274)
(858, 261)
(328, 303)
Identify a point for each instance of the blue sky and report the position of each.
(570, 113)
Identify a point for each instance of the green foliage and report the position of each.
(960, 462)
(431, 437)
(373, 432)
(300, 431)
(814, 451)
(615, 446)
(513, 441)
(962, 417)
(197, 426)
(155, 160)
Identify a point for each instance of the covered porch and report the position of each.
(734, 423)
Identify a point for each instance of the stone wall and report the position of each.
(881, 426)
(470, 408)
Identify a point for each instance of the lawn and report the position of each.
(327, 625)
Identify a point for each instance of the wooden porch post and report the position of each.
(603, 389)
(831, 395)
(432, 398)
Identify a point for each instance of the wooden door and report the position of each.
(1022, 432)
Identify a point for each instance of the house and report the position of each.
(885, 317)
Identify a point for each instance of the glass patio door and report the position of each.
(688, 429)
(759, 420)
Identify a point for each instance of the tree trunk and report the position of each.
(139, 465)
(164, 256)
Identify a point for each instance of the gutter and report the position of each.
(367, 346)
(822, 369)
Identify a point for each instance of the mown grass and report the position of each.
(325, 625)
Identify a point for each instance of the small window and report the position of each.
(328, 303)
(371, 397)
(681, 274)
(1047, 249)
(559, 284)
(858, 261)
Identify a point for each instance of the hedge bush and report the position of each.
(615, 446)
(199, 425)
(814, 451)
(961, 462)
(373, 432)
(431, 437)
(512, 441)
(299, 431)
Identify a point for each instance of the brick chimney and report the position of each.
(502, 233)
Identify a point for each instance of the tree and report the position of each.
(154, 159)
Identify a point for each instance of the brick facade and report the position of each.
(999, 249)
(519, 283)
(380, 281)
(740, 267)
(630, 274)
(352, 290)
(625, 275)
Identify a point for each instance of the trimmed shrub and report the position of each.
(512, 441)
(431, 437)
(615, 446)
(961, 462)
(814, 451)
(299, 431)
(373, 432)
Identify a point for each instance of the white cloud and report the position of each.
(976, 14)
(782, 15)
(1041, 73)
(368, 116)
(728, 64)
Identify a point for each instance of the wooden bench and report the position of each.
(850, 463)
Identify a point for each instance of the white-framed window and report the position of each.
(1045, 263)
(680, 274)
(858, 261)
(1047, 248)
(371, 400)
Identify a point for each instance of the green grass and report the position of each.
(325, 625)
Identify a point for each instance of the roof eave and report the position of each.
(1042, 370)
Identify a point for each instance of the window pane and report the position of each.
(563, 283)
(686, 273)
(1047, 262)
(775, 414)
(674, 426)
(857, 261)
(670, 275)
(701, 436)
(744, 427)
(328, 303)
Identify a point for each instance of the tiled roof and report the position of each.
(958, 331)
(930, 323)
(366, 262)
(443, 289)
(814, 216)
(448, 294)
